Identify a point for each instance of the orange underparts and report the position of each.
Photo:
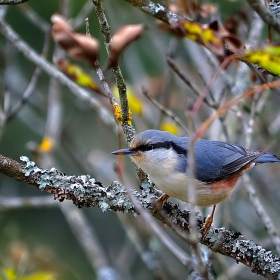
(230, 181)
(227, 183)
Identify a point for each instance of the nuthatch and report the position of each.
(218, 165)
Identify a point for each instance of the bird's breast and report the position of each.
(176, 184)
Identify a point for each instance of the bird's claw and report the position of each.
(159, 203)
(206, 227)
(207, 224)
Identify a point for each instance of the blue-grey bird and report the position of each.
(219, 165)
(164, 157)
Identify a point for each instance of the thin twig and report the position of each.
(163, 237)
(264, 217)
(242, 76)
(154, 9)
(31, 87)
(166, 111)
(88, 240)
(232, 102)
(105, 29)
(190, 172)
(202, 267)
(181, 75)
(104, 83)
(100, 72)
(84, 13)
(7, 203)
(52, 71)
(168, 78)
(12, 2)
(265, 14)
(26, 95)
(35, 18)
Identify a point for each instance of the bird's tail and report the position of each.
(268, 157)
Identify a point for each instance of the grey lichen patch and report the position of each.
(129, 132)
(82, 190)
(30, 166)
(148, 193)
(160, 12)
(117, 197)
(156, 8)
(260, 261)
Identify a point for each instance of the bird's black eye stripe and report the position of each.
(144, 148)
(166, 145)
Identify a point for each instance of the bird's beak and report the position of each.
(127, 151)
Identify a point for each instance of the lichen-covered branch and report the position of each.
(12, 2)
(83, 190)
(86, 191)
(154, 9)
(162, 13)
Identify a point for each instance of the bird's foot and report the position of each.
(207, 224)
(206, 227)
(159, 203)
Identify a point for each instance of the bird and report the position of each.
(219, 165)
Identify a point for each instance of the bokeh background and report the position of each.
(37, 236)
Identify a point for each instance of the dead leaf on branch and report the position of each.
(213, 36)
(78, 75)
(121, 40)
(78, 46)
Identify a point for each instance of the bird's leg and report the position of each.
(160, 202)
(207, 224)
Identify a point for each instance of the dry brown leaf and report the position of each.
(122, 39)
(78, 46)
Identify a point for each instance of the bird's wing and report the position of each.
(217, 160)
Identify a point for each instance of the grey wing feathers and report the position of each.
(242, 157)
(217, 160)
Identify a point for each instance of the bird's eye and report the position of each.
(144, 148)
(149, 147)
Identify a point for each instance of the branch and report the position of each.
(53, 72)
(86, 191)
(105, 29)
(87, 238)
(265, 14)
(162, 13)
(7, 203)
(12, 2)
(154, 9)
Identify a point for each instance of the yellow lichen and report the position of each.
(119, 115)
